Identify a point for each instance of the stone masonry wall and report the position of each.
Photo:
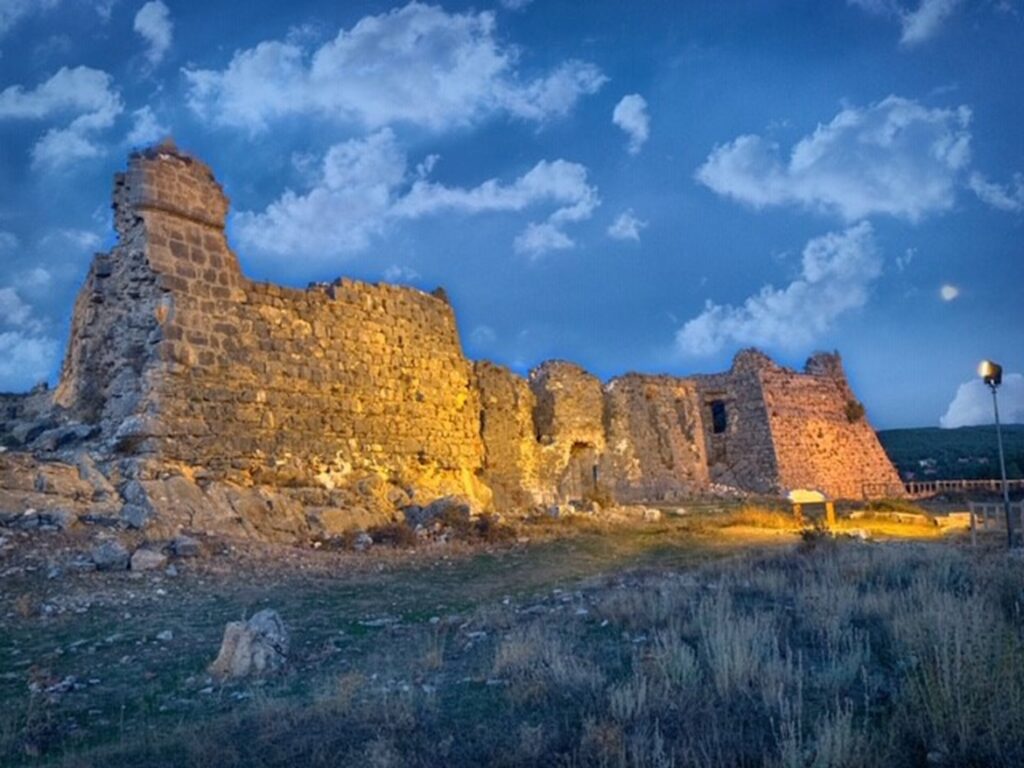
(183, 361)
(655, 438)
(511, 449)
(261, 383)
(742, 456)
(818, 443)
(569, 422)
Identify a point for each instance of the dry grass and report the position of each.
(835, 653)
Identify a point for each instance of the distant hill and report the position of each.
(931, 453)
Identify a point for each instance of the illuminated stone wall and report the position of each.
(183, 360)
(821, 439)
(655, 439)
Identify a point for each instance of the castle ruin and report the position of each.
(181, 367)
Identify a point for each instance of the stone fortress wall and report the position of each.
(182, 360)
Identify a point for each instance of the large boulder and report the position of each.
(252, 648)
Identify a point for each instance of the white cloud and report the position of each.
(400, 273)
(417, 64)
(837, 272)
(515, 5)
(626, 227)
(13, 11)
(154, 25)
(918, 24)
(972, 403)
(68, 237)
(13, 311)
(541, 237)
(146, 129)
(25, 360)
(364, 185)
(27, 354)
(1005, 198)
(895, 157)
(949, 292)
(904, 261)
(630, 115)
(483, 336)
(34, 279)
(86, 93)
(349, 204)
(921, 24)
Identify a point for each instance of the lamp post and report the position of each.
(992, 374)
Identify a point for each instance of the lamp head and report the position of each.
(991, 373)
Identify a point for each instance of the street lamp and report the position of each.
(992, 374)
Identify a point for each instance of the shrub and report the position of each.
(854, 411)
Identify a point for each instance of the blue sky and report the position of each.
(650, 186)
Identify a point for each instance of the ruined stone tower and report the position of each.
(184, 361)
(182, 358)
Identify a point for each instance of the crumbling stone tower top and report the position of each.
(165, 179)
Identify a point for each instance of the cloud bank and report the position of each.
(85, 94)
(27, 353)
(972, 403)
(418, 65)
(897, 158)
(837, 272)
(365, 184)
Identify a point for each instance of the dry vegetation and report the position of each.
(827, 652)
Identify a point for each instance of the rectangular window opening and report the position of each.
(719, 418)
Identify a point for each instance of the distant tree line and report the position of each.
(968, 453)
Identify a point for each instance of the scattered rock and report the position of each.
(63, 436)
(147, 560)
(166, 636)
(559, 511)
(184, 546)
(363, 541)
(254, 647)
(135, 516)
(652, 515)
(110, 555)
(138, 509)
(446, 508)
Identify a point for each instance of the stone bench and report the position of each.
(803, 497)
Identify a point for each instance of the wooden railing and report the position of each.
(918, 489)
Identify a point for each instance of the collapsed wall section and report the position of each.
(655, 439)
(511, 450)
(736, 430)
(568, 417)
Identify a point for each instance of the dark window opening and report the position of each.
(719, 419)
